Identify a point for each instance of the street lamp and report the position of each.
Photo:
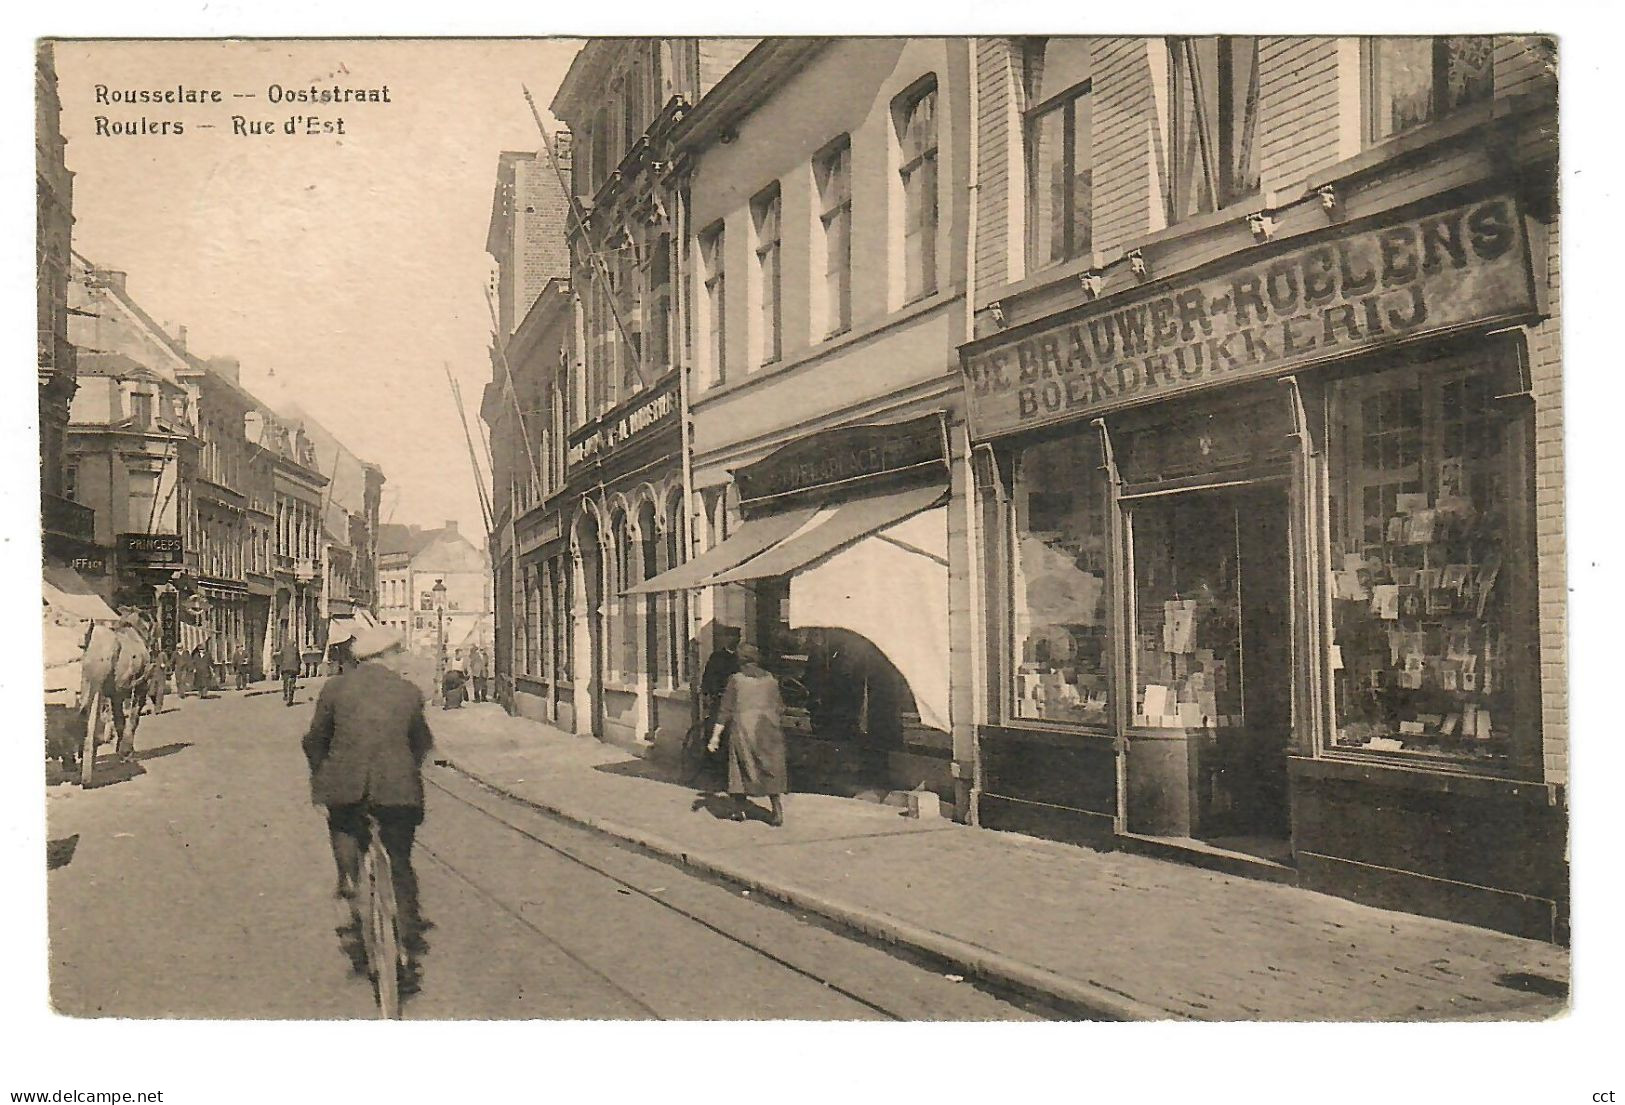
(439, 592)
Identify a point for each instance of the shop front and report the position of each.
(543, 688)
(1261, 566)
(623, 654)
(837, 569)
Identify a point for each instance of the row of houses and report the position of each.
(1152, 443)
(235, 522)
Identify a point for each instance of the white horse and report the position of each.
(116, 674)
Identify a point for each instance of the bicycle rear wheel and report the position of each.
(381, 933)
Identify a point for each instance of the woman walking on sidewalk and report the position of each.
(752, 711)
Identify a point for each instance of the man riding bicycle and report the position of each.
(365, 748)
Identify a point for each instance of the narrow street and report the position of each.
(199, 885)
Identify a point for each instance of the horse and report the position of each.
(117, 672)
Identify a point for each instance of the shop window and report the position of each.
(766, 289)
(1058, 583)
(1426, 567)
(915, 114)
(1059, 151)
(716, 312)
(1213, 123)
(1411, 81)
(832, 177)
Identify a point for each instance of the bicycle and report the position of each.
(380, 924)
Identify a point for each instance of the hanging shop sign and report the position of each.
(162, 549)
(617, 430)
(1391, 280)
(544, 532)
(846, 458)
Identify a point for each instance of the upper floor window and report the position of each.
(716, 315)
(915, 113)
(70, 482)
(1213, 123)
(1060, 162)
(832, 176)
(1411, 81)
(657, 279)
(764, 212)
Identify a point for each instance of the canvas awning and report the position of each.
(65, 590)
(748, 541)
(833, 528)
(340, 630)
(191, 636)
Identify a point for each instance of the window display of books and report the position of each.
(1417, 658)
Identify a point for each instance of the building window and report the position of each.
(1058, 583)
(657, 278)
(1060, 163)
(712, 245)
(764, 213)
(832, 177)
(1431, 659)
(143, 487)
(1411, 81)
(1213, 123)
(141, 411)
(915, 113)
(677, 608)
(426, 600)
(70, 482)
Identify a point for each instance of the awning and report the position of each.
(833, 528)
(750, 539)
(191, 636)
(340, 630)
(66, 590)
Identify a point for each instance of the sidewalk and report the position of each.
(1107, 934)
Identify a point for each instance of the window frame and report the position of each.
(1370, 62)
(1066, 101)
(908, 165)
(1225, 182)
(1005, 475)
(713, 243)
(767, 217)
(831, 164)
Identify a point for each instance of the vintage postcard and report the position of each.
(591, 529)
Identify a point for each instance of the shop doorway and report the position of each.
(1214, 659)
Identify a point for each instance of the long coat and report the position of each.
(368, 740)
(753, 711)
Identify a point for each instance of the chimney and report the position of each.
(229, 367)
(112, 278)
(180, 337)
(451, 527)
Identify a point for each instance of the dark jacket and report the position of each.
(288, 658)
(368, 740)
(721, 667)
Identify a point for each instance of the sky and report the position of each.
(344, 271)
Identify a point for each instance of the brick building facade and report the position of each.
(1266, 396)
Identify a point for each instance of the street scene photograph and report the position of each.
(804, 529)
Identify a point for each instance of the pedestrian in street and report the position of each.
(158, 679)
(239, 663)
(752, 712)
(202, 677)
(288, 662)
(479, 671)
(453, 683)
(719, 668)
(365, 748)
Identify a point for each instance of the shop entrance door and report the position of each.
(1254, 753)
(1213, 661)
